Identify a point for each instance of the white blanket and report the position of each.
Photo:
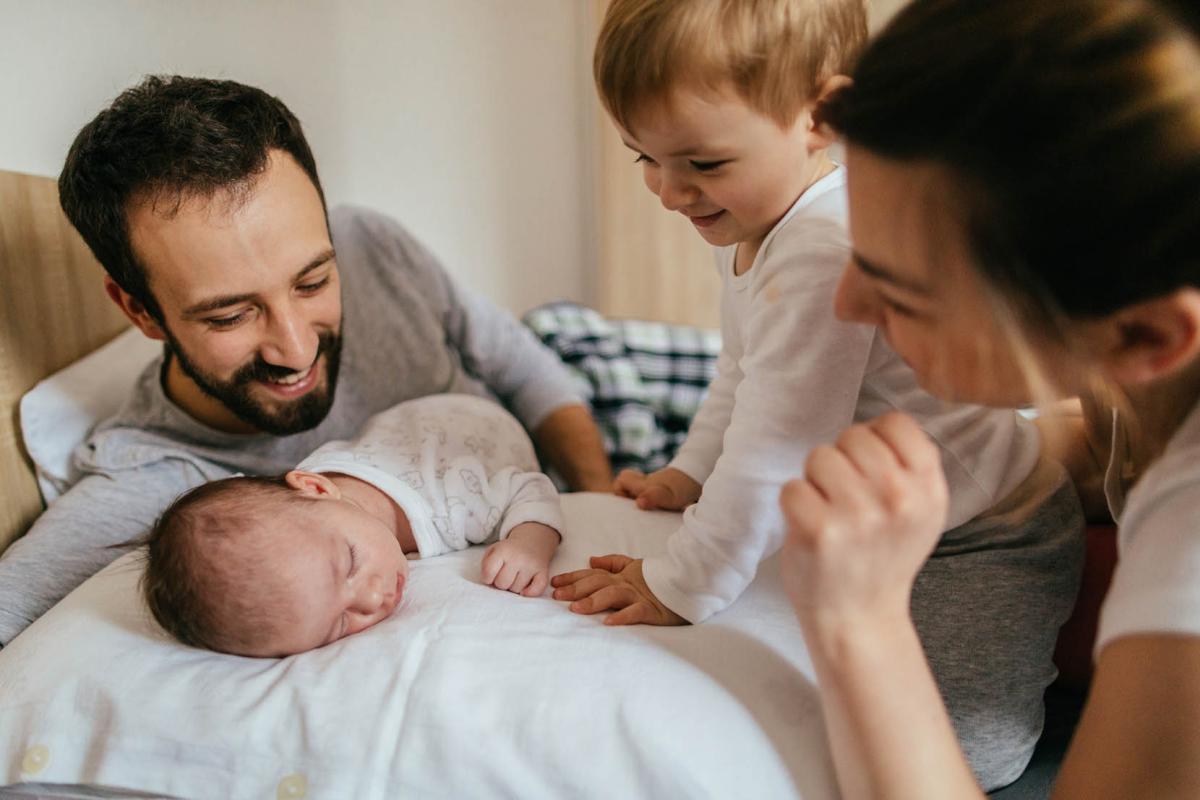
(465, 692)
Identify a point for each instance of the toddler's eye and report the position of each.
(708, 166)
(353, 561)
(643, 159)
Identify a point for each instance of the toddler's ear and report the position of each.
(312, 484)
(820, 134)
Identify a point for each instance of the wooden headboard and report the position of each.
(54, 311)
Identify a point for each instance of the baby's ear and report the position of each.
(312, 484)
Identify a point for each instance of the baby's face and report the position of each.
(343, 573)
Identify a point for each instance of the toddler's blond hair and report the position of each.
(773, 53)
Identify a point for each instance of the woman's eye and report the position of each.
(708, 166)
(312, 288)
(898, 308)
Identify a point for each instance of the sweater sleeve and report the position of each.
(505, 355)
(80, 534)
(803, 370)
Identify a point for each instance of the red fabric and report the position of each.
(1073, 654)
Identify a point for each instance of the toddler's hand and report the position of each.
(614, 583)
(668, 489)
(521, 563)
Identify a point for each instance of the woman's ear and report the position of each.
(820, 134)
(312, 484)
(134, 309)
(1152, 339)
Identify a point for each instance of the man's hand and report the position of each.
(615, 582)
(570, 442)
(667, 489)
(521, 563)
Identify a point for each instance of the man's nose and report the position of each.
(290, 341)
(856, 299)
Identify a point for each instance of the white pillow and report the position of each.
(57, 414)
(465, 692)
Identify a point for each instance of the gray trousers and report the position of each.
(988, 606)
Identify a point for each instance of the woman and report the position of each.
(1024, 185)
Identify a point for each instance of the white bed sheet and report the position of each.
(465, 692)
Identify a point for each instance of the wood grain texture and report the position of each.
(54, 311)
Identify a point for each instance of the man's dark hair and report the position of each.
(170, 138)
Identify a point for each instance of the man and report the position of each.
(283, 326)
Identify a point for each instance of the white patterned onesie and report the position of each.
(461, 467)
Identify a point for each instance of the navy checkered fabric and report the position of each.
(644, 380)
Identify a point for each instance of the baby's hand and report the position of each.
(669, 489)
(521, 563)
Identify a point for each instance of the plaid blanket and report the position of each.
(644, 380)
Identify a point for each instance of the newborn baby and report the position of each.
(273, 566)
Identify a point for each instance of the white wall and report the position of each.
(465, 119)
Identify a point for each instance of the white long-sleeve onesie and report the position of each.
(790, 376)
(461, 467)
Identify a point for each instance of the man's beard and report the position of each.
(299, 415)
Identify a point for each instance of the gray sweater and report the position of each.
(408, 331)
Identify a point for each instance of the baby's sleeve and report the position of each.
(531, 498)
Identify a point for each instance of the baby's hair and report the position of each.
(774, 53)
(192, 586)
(1069, 132)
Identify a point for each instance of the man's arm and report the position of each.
(532, 381)
(572, 445)
(75, 538)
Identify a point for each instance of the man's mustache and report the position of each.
(260, 370)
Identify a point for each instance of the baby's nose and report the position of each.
(371, 596)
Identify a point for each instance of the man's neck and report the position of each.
(378, 504)
(193, 401)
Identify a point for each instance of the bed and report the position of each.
(465, 692)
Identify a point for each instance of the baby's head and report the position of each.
(717, 97)
(270, 566)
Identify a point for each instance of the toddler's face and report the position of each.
(340, 574)
(730, 170)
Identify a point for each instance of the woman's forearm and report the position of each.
(888, 728)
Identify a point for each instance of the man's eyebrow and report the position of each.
(213, 303)
(886, 275)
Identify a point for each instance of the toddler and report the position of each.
(721, 102)
(276, 566)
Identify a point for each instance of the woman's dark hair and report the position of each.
(169, 138)
(1069, 128)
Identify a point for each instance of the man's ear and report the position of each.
(820, 134)
(134, 309)
(312, 484)
(1152, 339)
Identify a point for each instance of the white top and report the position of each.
(791, 376)
(461, 467)
(1156, 586)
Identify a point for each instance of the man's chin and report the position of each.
(281, 413)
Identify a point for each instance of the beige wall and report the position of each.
(466, 119)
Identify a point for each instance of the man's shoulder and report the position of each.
(379, 257)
